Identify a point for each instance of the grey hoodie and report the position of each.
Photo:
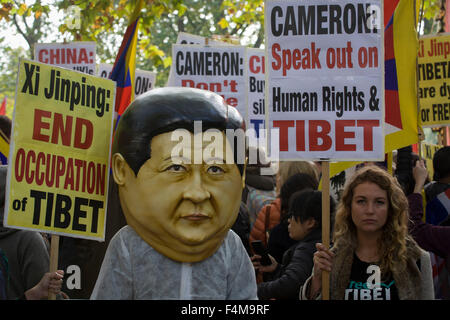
(27, 255)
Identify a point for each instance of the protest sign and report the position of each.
(256, 89)
(59, 154)
(219, 69)
(325, 89)
(427, 152)
(324, 85)
(254, 113)
(79, 56)
(434, 80)
(187, 38)
(143, 80)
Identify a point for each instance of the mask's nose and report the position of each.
(195, 190)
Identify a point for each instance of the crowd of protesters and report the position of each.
(384, 229)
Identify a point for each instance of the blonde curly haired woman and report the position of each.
(373, 256)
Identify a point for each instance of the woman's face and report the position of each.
(369, 208)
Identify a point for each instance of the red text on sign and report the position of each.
(257, 64)
(48, 128)
(319, 138)
(66, 56)
(296, 59)
(214, 87)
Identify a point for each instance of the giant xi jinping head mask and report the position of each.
(179, 169)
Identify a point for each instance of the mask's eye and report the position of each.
(176, 168)
(215, 170)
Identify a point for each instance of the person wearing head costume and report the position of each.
(179, 210)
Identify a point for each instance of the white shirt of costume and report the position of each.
(133, 270)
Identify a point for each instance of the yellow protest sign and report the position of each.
(427, 152)
(434, 80)
(59, 153)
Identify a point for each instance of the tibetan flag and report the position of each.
(3, 107)
(400, 76)
(125, 64)
(4, 148)
(401, 47)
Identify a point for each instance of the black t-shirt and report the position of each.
(367, 283)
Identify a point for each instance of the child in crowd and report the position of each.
(305, 225)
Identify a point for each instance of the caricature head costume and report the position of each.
(182, 209)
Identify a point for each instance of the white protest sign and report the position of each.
(215, 68)
(188, 38)
(143, 80)
(256, 89)
(325, 78)
(79, 56)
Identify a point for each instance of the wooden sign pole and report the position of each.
(326, 224)
(54, 250)
(420, 133)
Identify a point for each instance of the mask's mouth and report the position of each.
(196, 217)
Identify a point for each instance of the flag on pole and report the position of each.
(401, 46)
(3, 107)
(400, 40)
(125, 63)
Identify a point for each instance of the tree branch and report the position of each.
(19, 29)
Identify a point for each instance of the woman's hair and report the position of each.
(392, 244)
(296, 182)
(289, 168)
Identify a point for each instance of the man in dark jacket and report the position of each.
(305, 225)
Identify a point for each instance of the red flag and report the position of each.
(389, 8)
(3, 107)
